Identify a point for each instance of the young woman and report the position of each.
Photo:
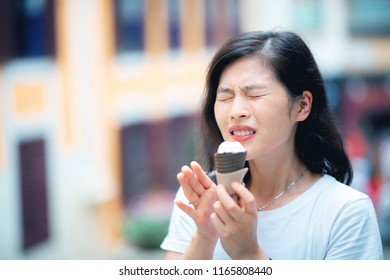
(264, 90)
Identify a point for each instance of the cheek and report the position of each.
(220, 116)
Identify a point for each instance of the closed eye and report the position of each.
(225, 96)
(255, 95)
(255, 91)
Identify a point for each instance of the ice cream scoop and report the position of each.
(230, 164)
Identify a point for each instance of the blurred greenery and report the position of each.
(145, 231)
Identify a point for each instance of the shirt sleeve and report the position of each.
(181, 228)
(355, 233)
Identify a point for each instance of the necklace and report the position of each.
(284, 191)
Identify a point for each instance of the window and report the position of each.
(130, 25)
(27, 29)
(153, 153)
(307, 15)
(174, 23)
(221, 21)
(32, 166)
(369, 17)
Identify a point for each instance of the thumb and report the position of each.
(185, 208)
(247, 200)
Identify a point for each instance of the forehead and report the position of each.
(247, 70)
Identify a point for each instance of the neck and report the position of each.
(270, 178)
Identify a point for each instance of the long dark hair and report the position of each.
(318, 143)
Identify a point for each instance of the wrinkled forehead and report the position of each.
(246, 71)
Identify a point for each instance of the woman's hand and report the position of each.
(201, 193)
(236, 223)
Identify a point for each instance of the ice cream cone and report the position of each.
(229, 162)
(227, 179)
(230, 165)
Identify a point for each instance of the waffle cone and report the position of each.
(227, 179)
(229, 162)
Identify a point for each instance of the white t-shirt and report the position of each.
(328, 221)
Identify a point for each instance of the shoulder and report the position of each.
(351, 216)
(339, 193)
(346, 206)
(338, 201)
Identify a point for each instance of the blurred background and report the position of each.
(99, 104)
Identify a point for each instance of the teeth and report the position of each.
(243, 132)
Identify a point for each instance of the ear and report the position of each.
(304, 105)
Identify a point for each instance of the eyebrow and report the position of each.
(245, 88)
(256, 86)
(224, 90)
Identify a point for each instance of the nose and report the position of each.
(239, 109)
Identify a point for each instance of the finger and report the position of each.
(192, 180)
(201, 175)
(185, 208)
(221, 212)
(228, 203)
(217, 222)
(247, 200)
(190, 194)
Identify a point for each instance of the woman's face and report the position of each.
(253, 107)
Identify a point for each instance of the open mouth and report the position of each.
(242, 132)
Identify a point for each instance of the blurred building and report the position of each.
(99, 102)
